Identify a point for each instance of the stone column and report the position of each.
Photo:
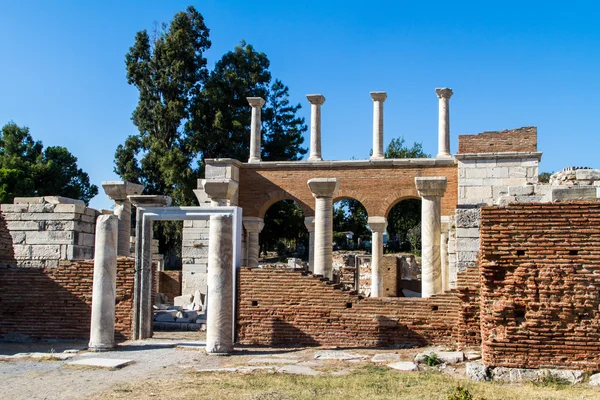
(323, 189)
(378, 99)
(309, 222)
(444, 256)
(377, 225)
(219, 319)
(256, 103)
(118, 192)
(142, 300)
(316, 101)
(253, 227)
(431, 191)
(444, 95)
(102, 331)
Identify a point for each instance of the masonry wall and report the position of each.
(510, 140)
(540, 277)
(283, 307)
(55, 303)
(170, 283)
(7, 253)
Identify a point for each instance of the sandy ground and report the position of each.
(169, 355)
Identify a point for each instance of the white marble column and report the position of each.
(118, 192)
(316, 101)
(104, 292)
(444, 255)
(444, 95)
(219, 319)
(142, 300)
(378, 99)
(431, 190)
(253, 228)
(309, 222)
(255, 136)
(324, 190)
(377, 225)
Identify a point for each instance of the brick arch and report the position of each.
(401, 196)
(272, 197)
(355, 195)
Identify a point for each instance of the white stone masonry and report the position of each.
(118, 192)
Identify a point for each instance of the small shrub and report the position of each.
(460, 393)
(432, 359)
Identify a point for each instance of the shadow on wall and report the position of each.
(7, 252)
(391, 333)
(55, 303)
(283, 333)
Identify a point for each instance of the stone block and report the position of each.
(498, 172)
(467, 232)
(110, 363)
(467, 164)
(498, 191)
(475, 173)
(193, 278)
(477, 372)
(565, 193)
(467, 218)
(478, 192)
(385, 357)
(466, 256)
(70, 208)
(42, 252)
(404, 366)
(196, 252)
(13, 208)
(524, 190)
(488, 163)
(41, 208)
(50, 237)
(75, 252)
(595, 380)
(532, 174)
(48, 216)
(87, 218)
(472, 181)
(183, 301)
(467, 244)
(62, 200)
(86, 239)
(28, 200)
(517, 172)
(18, 237)
(22, 251)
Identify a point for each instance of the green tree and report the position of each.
(26, 169)
(544, 177)
(406, 215)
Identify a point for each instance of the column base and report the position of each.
(444, 155)
(101, 348)
(315, 158)
(376, 158)
(254, 160)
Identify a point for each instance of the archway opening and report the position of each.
(284, 234)
(350, 230)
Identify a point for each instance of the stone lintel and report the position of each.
(256, 101)
(253, 224)
(431, 186)
(377, 224)
(317, 99)
(47, 199)
(388, 162)
(309, 222)
(378, 96)
(498, 156)
(119, 190)
(324, 187)
(219, 189)
(150, 200)
(445, 93)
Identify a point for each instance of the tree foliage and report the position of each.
(349, 215)
(26, 169)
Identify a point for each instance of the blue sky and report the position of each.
(510, 64)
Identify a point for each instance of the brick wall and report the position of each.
(7, 253)
(283, 307)
(511, 140)
(55, 303)
(170, 283)
(540, 277)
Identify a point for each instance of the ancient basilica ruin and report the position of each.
(509, 264)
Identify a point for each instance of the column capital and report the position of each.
(445, 93)
(256, 101)
(378, 96)
(309, 222)
(119, 190)
(431, 186)
(377, 224)
(150, 200)
(219, 189)
(317, 99)
(324, 187)
(253, 224)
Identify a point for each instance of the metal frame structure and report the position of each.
(142, 315)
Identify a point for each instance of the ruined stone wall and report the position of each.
(540, 274)
(389, 265)
(7, 253)
(48, 229)
(169, 283)
(55, 303)
(194, 253)
(283, 307)
(510, 140)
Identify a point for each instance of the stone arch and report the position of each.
(358, 196)
(396, 197)
(274, 196)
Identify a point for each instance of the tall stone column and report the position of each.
(377, 225)
(142, 299)
(444, 257)
(431, 191)
(378, 99)
(219, 319)
(316, 101)
(323, 189)
(118, 192)
(102, 331)
(255, 136)
(253, 227)
(444, 95)
(309, 222)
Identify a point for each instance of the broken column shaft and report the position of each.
(309, 222)
(253, 227)
(118, 192)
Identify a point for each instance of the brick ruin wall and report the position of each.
(55, 303)
(540, 277)
(284, 307)
(508, 141)
(169, 283)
